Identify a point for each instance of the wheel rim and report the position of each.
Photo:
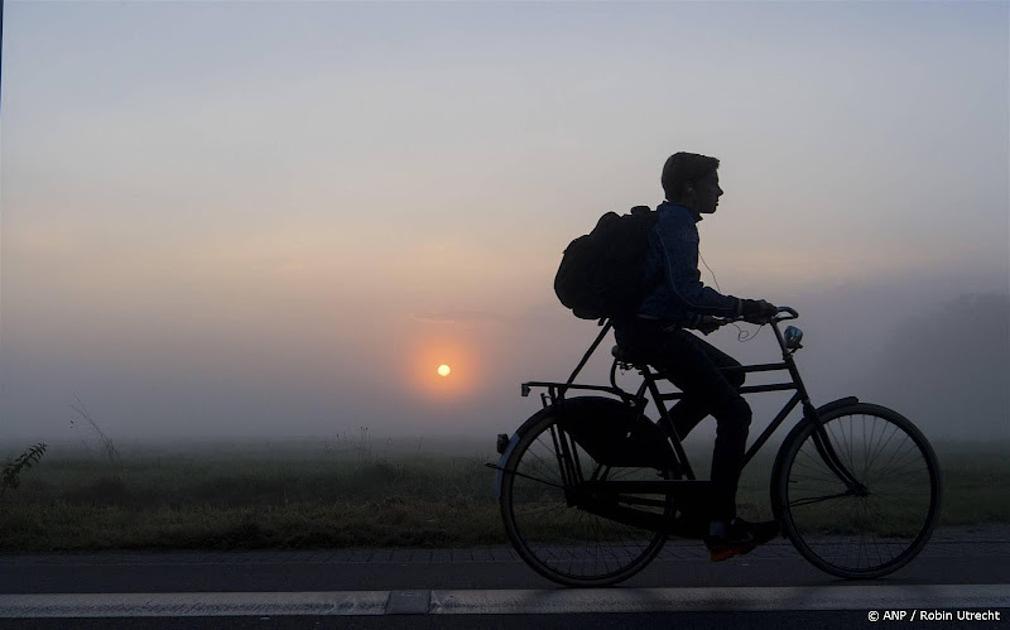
(563, 542)
(873, 530)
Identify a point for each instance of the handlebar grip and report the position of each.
(780, 309)
(789, 310)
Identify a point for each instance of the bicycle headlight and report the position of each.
(793, 337)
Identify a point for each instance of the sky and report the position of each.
(269, 219)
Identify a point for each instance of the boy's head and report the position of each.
(692, 180)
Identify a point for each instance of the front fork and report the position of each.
(822, 442)
(830, 456)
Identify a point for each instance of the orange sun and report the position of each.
(443, 371)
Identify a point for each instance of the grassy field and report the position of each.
(315, 495)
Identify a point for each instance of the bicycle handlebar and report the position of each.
(788, 310)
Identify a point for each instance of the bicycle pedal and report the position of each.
(681, 528)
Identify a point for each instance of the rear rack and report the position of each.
(556, 391)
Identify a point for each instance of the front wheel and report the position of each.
(871, 527)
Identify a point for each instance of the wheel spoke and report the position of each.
(810, 500)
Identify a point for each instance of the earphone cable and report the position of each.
(741, 334)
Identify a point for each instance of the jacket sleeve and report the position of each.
(678, 244)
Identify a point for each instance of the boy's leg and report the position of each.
(694, 367)
(692, 409)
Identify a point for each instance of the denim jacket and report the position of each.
(679, 295)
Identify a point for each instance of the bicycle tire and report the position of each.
(827, 539)
(624, 556)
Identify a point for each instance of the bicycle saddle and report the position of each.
(624, 356)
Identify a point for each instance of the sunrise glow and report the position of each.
(444, 370)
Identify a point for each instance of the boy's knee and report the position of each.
(738, 412)
(736, 378)
(734, 413)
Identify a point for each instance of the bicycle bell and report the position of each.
(793, 337)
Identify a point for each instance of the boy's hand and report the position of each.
(709, 324)
(757, 311)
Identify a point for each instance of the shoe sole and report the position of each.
(725, 553)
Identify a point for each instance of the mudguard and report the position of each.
(835, 404)
(499, 477)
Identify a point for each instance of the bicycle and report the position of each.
(590, 488)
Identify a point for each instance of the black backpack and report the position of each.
(601, 273)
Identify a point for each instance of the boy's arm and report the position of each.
(678, 243)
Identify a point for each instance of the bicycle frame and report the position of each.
(603, 495)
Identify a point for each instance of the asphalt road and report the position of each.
(954, 559)
(961, 556)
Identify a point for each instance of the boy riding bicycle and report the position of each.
(657, 335)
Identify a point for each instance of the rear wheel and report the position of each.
(868, 531)
(559, 540)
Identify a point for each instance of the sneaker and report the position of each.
(741, 538)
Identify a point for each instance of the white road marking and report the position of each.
(637, 600)
(193, 604)
(504, 602)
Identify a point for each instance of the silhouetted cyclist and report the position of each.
(657, 335)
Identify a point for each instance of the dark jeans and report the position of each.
(694, 366)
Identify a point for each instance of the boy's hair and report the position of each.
(682, 169)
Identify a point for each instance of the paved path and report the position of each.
(953, 556)
(962, 568)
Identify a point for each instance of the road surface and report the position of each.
(961, 569)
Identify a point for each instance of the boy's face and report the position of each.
(707, 193)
